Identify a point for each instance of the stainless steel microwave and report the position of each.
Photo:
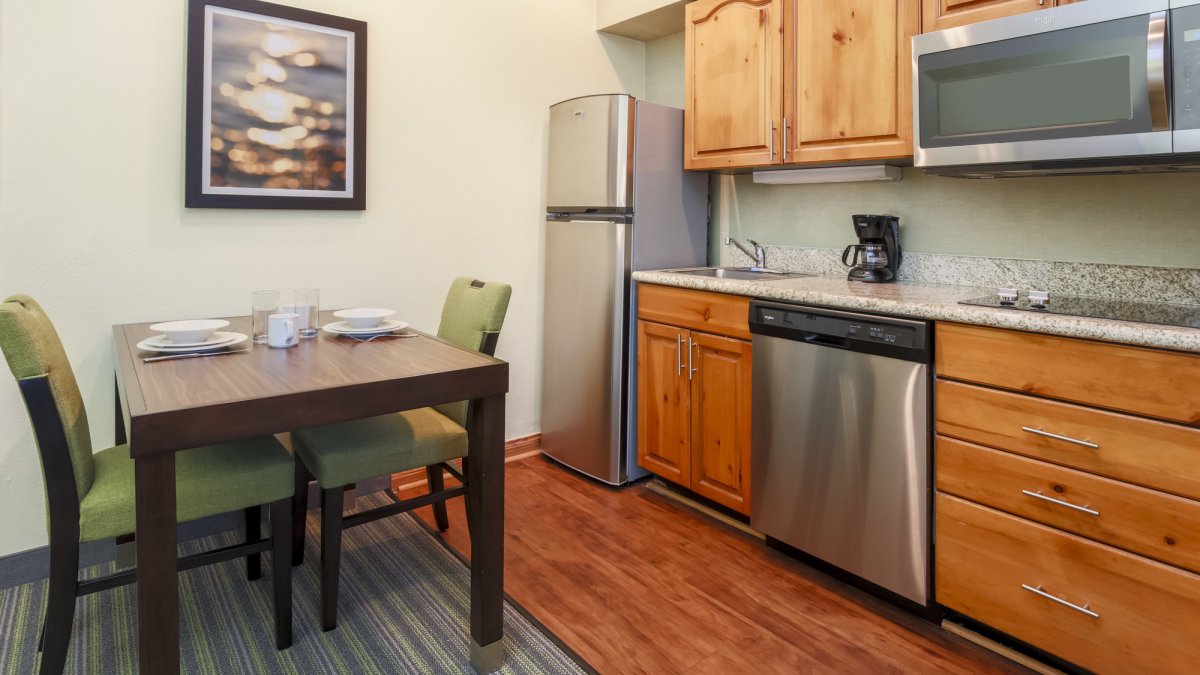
(1094, 87)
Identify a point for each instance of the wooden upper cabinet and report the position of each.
(942, 14)
(848, 79)
(732, 83)
(721, 419)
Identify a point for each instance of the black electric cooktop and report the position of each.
(1161, 313)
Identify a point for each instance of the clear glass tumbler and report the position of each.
(308, 302)
(262, 305)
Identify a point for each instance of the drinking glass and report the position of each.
(307, 306)
(262, 305)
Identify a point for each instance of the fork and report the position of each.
(382, 335)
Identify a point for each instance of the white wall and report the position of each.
(91, 184)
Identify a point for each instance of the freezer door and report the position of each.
(590, 164)
(583, 362)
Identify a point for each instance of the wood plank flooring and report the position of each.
(637, 583)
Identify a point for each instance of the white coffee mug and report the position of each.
(281, 330)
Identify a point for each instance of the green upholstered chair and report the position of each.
(340, 454)
(90, 496)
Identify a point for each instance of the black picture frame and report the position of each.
(312, 147)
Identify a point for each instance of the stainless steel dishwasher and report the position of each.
(841, 442)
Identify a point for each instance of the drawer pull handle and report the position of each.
(1060, 502)
(1038, 591)
(1047, 434)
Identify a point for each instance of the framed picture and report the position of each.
(276, 107)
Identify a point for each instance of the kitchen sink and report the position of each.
(745, 273)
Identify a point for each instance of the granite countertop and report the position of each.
(938, 302)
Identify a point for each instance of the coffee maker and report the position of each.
(879, 245)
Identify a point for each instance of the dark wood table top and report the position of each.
(323, 380)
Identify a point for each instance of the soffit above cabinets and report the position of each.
(643, 20)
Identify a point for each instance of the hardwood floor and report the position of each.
(637, 583)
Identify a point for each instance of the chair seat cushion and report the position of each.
(208, 480)
(348, 452)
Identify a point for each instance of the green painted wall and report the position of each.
(664, 70)
(1137, 220)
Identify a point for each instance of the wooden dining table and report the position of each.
(167, 406)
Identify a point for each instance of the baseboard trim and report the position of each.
(657, 486)
(514, 449)
(993, 646)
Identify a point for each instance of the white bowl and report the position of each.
(363, 317)
(190, 330)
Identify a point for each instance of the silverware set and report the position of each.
(195, 355)
(380, 335)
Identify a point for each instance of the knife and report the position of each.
(192, 355)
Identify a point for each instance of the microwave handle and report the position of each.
(1156, 71)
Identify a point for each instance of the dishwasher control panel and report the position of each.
(819, 323)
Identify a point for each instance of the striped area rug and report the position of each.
(404, 608)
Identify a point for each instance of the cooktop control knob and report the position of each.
(1039, 299)
(1008, 296)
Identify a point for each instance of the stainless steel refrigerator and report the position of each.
(617, 200)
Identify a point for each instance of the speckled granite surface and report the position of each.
(931, 301)
(1122, 282)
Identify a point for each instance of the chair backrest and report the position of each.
(471, 318)
(33, 351)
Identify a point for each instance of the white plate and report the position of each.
(189, 330)
(343, 328)
(213, 340)
(237, 339)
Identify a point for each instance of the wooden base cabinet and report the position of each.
(1061, 521)
(694, 394)
(1093, 605)
(774, 82)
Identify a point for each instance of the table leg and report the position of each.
(485, 509)
(157, 569)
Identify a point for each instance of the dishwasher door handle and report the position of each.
(827, 341)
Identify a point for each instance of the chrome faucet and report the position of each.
(759, 253)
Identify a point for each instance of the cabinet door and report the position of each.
(732, 83)
(942, 14)
(721, 419)
(663, 406)
(848, 79)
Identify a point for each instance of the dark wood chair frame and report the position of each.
(63, 501)
(333, 522)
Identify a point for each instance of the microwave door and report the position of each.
(1096, 89)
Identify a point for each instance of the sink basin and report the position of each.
(745, 273)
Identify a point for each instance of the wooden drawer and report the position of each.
(1150, 453)
(1144, 521)
(1134, 379)
(700, 310)
(1148, 619)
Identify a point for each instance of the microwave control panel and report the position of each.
(1185, 40)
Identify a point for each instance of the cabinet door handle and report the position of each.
(691, 370)
(785, 143)
(1037, 590)
(771, 140)
(1047, 434)
(1069, 505)
(678, 355)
